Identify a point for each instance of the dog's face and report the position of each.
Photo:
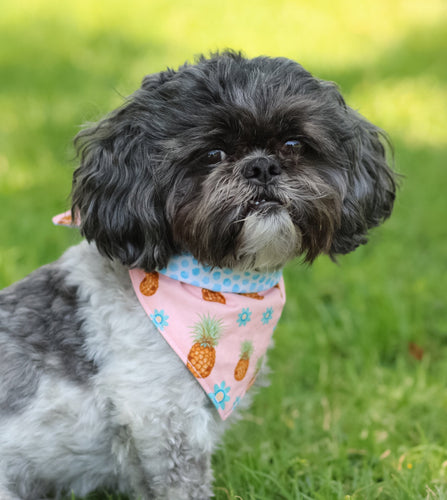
(244, 163)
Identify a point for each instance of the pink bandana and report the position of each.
(220, 335)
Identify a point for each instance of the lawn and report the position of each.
(357, 404)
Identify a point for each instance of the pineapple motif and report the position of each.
(253, 295)
(202, 356)
(242, 366)
(149, 285)
(66, 220)
(212, 296)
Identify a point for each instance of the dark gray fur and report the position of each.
(41, 332)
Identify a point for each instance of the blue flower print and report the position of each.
(267, 316)
(244, 317)
(220, 396)
(160, 319)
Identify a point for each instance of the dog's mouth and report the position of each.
(262, 203)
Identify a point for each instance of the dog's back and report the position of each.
(47, 406)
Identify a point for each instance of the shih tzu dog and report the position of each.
(120, 362)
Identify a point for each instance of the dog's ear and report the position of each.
(119, 187)
(371, 183)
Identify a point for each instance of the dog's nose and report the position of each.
(261, 170)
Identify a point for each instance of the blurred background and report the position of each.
(358, 399)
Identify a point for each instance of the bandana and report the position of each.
(218, 321)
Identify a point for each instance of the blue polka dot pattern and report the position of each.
(218, 280)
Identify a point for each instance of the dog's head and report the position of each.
(245, 163)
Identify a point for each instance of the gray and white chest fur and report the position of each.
(90, 393)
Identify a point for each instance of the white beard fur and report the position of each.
(267, 241)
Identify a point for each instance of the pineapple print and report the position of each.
(66, 220)
(211, 296)
(149, 285)
(242, 366)
(253, 295)
(202, 356)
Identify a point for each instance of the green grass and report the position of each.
(350, 413)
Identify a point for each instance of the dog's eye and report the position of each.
(215, 156)
(293, 145)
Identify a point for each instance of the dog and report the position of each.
(236, 164)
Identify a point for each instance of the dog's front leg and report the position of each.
(174, 467)
(167, 456)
